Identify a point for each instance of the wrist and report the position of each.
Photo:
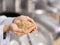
(6, 28)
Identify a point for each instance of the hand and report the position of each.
(15, 30)
(17, 20)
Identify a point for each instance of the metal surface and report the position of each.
(49, 23)
(41, 36)
(47, 26)
(44, 35)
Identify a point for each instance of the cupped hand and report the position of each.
(16, 30)
(17, 20)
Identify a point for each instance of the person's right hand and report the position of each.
(19, 31)
(15, 30)
(22, 17)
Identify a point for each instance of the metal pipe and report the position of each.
(31, 6)
(4, 5)
(18, 5)
(49, 23)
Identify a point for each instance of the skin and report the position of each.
(18, 31)
(6, 28)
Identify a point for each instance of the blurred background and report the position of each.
(45, 12)
(24, 6)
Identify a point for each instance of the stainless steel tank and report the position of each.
(46, 25)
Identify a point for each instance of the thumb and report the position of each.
(14, 26)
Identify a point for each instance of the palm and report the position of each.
(23, 31)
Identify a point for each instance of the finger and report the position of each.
(33, 30)
(28, 31)
(19, 34)
(17, 18)
(31, 20)
(21, 30)
(17, 21)
(21, 17)
(14, 26)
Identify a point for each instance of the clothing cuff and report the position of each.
(8, 21)
(1, 33)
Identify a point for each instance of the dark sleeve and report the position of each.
(10, 14)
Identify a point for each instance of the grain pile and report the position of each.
(24, 24)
